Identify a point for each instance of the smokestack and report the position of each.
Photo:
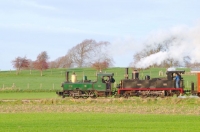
(126, 73)
(135, 74)
(67, 76)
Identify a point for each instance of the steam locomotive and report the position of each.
(86, 88)
(150, 87)
(103, 86)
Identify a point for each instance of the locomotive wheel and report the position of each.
(168, 93)
(75, 97)
(177, 93)
(143, 95)
(64, 92)
(93, 95)
(85, 95)
(125, 95)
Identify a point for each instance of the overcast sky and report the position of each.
(28, 27)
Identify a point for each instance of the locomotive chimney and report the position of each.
(135, 74)
(126, 73)
(67, 76)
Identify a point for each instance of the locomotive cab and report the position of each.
(171, 74)
(171, 77)
(106, 79)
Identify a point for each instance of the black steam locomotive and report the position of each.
(150, 87)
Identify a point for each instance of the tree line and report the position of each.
(88, 53)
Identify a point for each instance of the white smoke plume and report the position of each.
(187, 43)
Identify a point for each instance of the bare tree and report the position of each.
(61, 62)
(52, 64)
(102, 64)
(102, 59)
(41, 62)
(31, 65)
(20, 63)
(82, 54)
(65, 61)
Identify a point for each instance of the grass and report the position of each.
(25, 80)
(97, 122)
(168, 106)
(52, 78)
(28, 95)
(44, 111)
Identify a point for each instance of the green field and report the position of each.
(28, 95)
(97, 122)
(52, 78)
(47, 112)
(28, 102)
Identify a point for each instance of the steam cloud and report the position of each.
(187, 43)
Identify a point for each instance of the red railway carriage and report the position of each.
(198, 82)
